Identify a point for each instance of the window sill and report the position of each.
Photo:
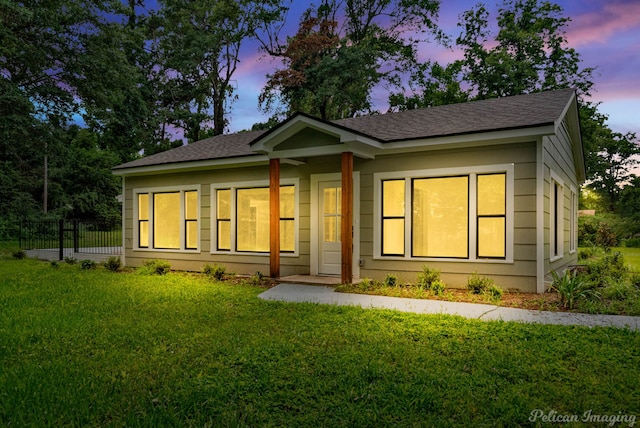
(443, 259)
(250, 253)
(555, 258)
(166, 250)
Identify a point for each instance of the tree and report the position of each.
(609, 156)
(331, 67)
(432, 85)
(531, 53)
(200, 46)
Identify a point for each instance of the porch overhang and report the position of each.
(286, 141)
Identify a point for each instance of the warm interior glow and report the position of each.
(332, 209)
(287, 222)
(491, 194)
(491, 237)
(491, 215)
(143, 220)
(392, 225)
(253, 219)
(166, 220)
(191, 219)
(223, 209)
(441, 217)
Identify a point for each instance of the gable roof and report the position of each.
(498, 114)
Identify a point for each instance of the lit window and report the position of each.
(252, 219)
(441, 217)
(491, 210)
(168, 220)
(393, 217)
(191, 219)
(223, 210)
(287, 218)
(143, 220)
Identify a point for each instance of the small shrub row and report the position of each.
(428, 281)
(155, 267)
(214, 271)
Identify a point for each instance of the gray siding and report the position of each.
(558, 157)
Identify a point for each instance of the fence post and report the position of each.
(75, 235)
(61, 239)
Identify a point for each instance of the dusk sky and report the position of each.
(606, 34)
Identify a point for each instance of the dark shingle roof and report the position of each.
(218, 147)
(522, 111)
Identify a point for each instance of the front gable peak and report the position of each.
(306, 136)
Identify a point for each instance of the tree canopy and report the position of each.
(87, 85)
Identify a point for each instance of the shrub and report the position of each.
(155, 267)
(438, 287)
(112, 264)
(391, 280)
(366, 284)
(635, 280)
(494, 292)
(605, 237)
(88, 264)
(19, 254)
(571, 288)
(478, 284)
(428, 277)
(215, 271)
(632, 242)
(586, 253)
(610, 268)
(70, 260)
(256, 278)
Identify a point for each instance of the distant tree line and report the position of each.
(85, 85)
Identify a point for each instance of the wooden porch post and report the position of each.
(274, 218)
(347, 218)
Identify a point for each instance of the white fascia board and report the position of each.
(469, 140)
(242, 161)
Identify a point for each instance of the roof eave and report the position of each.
(190, 166)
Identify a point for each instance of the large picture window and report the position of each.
(451, 215)
(168, 219)
(242, 218)
(440, 226)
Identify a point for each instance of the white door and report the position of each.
(329, 224)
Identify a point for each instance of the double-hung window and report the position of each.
(168, 219)
(445, 214)
(241, 213)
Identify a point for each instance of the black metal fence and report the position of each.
(79, 235)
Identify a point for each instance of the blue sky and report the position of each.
(605, 33)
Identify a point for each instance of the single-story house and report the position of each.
(487, 187)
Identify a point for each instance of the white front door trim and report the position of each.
(315, 220)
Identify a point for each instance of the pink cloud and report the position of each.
(599, 26)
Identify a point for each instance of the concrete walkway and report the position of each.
(327, 295)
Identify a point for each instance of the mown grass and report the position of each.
(94, 348)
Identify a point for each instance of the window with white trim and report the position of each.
(573, 235)
(168, 218)
(241, 214)
(463, 216)
(556, 217)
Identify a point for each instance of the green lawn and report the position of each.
(94, 348)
